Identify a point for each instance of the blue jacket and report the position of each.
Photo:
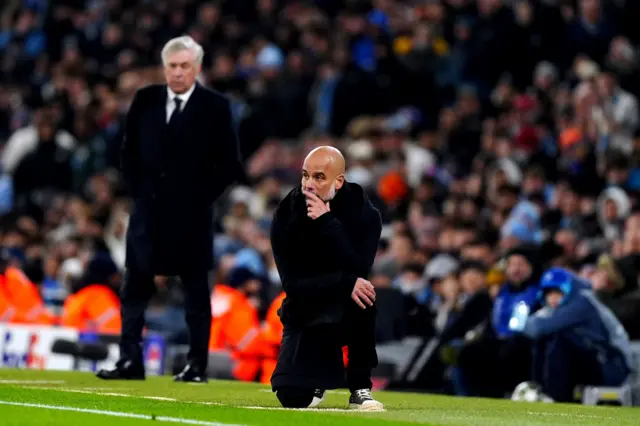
(587, 322)
(505, 301)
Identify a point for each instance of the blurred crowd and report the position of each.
(476, 126)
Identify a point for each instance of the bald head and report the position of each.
(323, 172)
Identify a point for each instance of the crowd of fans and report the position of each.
(475, 127)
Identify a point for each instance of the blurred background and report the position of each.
(476, 126)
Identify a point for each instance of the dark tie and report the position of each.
(176, 112)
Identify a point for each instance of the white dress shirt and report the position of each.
(171, 104)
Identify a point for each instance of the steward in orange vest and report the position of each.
(20, 300)
(235, 325)
(94, 304)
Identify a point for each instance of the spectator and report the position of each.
(577, 340)
(494, 364)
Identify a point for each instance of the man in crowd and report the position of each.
(495, 363)
(325, 235)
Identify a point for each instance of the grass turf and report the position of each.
(234, 403)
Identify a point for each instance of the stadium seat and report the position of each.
(627, 395)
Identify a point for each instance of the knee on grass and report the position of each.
(295, 398)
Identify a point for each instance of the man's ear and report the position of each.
(339, 181)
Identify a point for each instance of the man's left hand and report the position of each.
(315, 206)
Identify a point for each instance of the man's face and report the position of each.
(568, 240)
(181, 70)
(518, 269)
(553, 298)
(610, 210)
(320, 177)
(482, 253)
(472, 281)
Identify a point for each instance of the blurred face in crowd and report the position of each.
(606, 85)
(472, 281)
(478, 252)
(518, 269)
(610, 210)
(449, 288)
(323, 172)
(533, 182)
(568, 240)
(632, 225)
(553, 298)
(617, 176)
(590, 9)
(569, 203)
(181, 70)
(411, 281)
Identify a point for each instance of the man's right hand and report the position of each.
(363, 293)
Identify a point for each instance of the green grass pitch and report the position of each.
(79, 399)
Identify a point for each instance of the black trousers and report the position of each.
(493, 368)
(135, 294)
(356, 331)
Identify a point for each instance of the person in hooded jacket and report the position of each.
(493, 364)
(94, 304)
(325, 236)
(578, 340)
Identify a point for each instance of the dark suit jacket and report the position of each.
(175, 177)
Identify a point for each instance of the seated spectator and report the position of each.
(94, 304)
(498, 360)
(577, 340)
(615, 283)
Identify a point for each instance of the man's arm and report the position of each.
(227, 159)
(359, 262)
(295, 283)
(130, 153)
(547, 322)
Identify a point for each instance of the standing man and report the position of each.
(325, 236)
(179, 155)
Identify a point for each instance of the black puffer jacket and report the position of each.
(320, 260)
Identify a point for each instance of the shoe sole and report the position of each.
(369, 408)
(316, 402)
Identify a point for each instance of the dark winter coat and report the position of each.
(320, 260)
(175, 173)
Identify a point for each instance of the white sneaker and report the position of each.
(318, 397)
(530, 392)
(363, 400)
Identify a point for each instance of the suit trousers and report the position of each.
(311, 357)
(135, 294)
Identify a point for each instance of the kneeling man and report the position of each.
(324, 236)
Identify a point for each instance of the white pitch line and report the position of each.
(313, 410)
(118, 414)
(334, 392)
(582, 416)
(89, 392)
(32, 382)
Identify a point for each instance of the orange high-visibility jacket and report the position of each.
(235, 328)
(271, 337)
(24, 295)
(8, 312)
(94, 308)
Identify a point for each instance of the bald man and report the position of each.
(324, 236)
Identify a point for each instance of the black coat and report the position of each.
(174, 176)
(320, 260)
